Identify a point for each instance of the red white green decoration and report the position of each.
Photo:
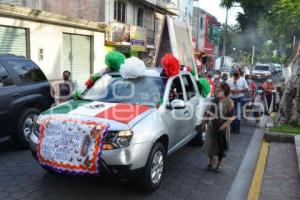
(91, 81)
(71, 146)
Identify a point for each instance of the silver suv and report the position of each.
(171, 110)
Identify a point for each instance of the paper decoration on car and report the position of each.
(204, 87)
(114, 60)
(132, 68)
(171, 65)
(71, 146)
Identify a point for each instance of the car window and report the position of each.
(189, 86)
(262, 68)
(176, 91)
(27, 71)
(5, 79)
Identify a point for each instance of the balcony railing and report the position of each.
(169, 5)
(123, 33)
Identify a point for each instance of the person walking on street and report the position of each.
(217, 77)
(219, 117)
(224, 77)
(269, 96)
(238, 86)
(248, 98)
(211, 83)
(63, 89)
(258, 105)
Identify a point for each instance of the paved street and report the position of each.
(22, 178)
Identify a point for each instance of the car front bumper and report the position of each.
(259, 76)
(131, 158)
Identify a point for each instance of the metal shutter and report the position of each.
(77, 58)
(13, 41)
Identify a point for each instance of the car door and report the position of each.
(9, 92)
(34, 82)
(191, 102)
(173, 118)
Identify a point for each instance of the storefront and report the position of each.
(56, 43)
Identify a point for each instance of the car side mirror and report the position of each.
(177, 104)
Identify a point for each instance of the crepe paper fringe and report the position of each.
(133, 68)
(203, 86)
(171, 65)
(114, 60)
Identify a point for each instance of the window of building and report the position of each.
(120, 11)
(140, 17)
(5, 80)
(28, 71)
(201, 23)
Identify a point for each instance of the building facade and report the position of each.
(205, 36)
(133, 26)
(56, 43)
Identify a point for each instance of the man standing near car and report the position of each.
(239, 87)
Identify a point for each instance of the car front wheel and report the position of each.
(155, 167)
(25, 126)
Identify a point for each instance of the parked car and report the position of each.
(165, 121)
(261, 72)
(24, 93)
(278, 68)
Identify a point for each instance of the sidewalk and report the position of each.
(281, 179)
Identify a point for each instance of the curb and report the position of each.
(279, 137)
(257, 181)
(242, 182)
(297, 145)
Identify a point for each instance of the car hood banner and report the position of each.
(71, 146)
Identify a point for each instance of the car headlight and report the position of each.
(117, 139)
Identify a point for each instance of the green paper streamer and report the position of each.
(114, 60)
(203, 86)
(77, 95)
(96, 77)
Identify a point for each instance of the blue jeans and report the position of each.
(238, 105)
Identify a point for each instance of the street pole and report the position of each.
(224, 40)
(253, 51)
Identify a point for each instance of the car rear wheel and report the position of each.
(24, 126)
(155, 167)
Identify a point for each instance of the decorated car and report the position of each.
(128, 119)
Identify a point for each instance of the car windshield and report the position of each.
(261, 68)
(145, 90)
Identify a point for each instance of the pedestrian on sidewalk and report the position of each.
(219, 116)
(211, 83)
(258, 106)
(63, 89)
(248, 98)
(269, 95)
(238, 86)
